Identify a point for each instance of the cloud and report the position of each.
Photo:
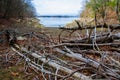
(58, 7)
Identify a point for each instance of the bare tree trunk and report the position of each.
(117, 9)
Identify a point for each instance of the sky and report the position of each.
(58, 7)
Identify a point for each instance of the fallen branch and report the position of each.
(44, 60)
(88, 61)
(112, 27)
(79, 57)
(82, 44)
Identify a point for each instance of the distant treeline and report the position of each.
(60, 16)
(16, 9)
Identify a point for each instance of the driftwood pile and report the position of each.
(95, 56)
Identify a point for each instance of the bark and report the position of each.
(82, 45)
(112, 27)
(105, 38)
(44, 60)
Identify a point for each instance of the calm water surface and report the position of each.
(56, 21)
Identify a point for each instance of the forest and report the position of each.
(16, 9)
(87, 49)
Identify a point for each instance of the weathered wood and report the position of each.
(82, 44)
(83, 40)
(112, 27)
(55, 65)
(79, 57)
(104, 61)
(89, 61)
(115, 49)
(99, 39)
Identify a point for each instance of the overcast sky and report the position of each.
(58, 7)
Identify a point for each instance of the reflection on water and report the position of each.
(56, 21)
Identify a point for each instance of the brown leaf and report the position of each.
(14, 73)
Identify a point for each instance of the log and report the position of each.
(84, 39)
(44, 60)
(89, 61)
(79, 57)
(100, 39)
(112, 27)
(82, 44)
(115, 49)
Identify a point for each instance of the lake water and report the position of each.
(56, 21)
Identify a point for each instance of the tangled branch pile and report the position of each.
(95, 56)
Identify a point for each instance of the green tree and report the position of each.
(100, 7)
(115, 5)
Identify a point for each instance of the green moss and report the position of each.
(14, 73)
